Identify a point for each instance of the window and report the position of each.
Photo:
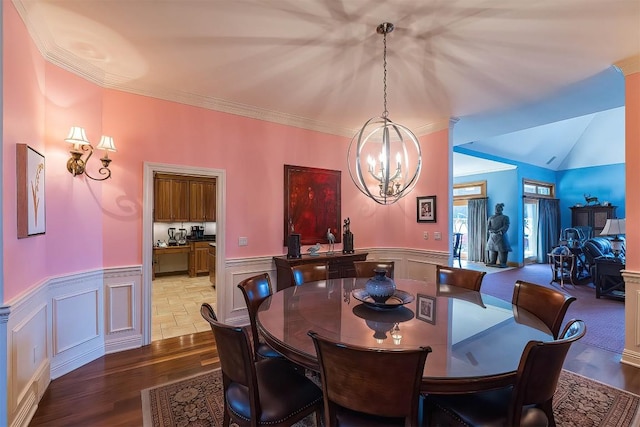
(538, 189)
(469, 190)
(462, 193)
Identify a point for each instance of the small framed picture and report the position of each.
(426, 308)
(427, 209)
(30, 192)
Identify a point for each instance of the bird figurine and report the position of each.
(332, 241)
(313, 250)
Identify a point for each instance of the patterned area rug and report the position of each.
(197, 402)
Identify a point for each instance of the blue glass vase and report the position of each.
(380, 287)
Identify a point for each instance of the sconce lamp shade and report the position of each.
(614, 227)
(77, 135)
(106, 143)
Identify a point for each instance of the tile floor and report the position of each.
(175, 305)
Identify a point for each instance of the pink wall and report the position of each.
(93, 224)
(632, 154)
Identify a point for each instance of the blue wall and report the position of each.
(503, 187)
(607, 183)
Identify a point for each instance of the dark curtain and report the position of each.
(548, 227)
(477, 226)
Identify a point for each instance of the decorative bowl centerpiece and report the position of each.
(380, 287)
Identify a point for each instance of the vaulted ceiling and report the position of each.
(317, 64)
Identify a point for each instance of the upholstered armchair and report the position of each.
(605, 266)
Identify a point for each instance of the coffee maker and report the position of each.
(197, 232)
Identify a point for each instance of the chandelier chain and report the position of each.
(385, 113)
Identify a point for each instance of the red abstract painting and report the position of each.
(311, 204)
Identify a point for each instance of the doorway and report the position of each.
(148, 236)
(530, 230)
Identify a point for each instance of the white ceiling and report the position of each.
(318, 63)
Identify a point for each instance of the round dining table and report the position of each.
(476, 339)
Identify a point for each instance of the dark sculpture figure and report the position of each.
(347, 237)
(498, 243)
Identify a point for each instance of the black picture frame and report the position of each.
(426, 209)
(426, 308)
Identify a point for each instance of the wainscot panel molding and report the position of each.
(123, 308)
(230, 299)
(631, 352)
(63, 323)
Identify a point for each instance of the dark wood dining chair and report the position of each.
(460, 277)
(365, 268)
(304, 273)
(369, 387)
(529, 402)
(549, 305)
(255, 290)
(269, 392)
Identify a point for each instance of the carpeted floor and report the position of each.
(604, 317)
(197, 401)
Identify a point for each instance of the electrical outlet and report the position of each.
(425, 235)
(243, 241)
(437, 235)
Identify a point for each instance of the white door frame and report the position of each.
(147, 234)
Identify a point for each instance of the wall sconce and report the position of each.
(76, 165)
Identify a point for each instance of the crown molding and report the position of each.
(52, 53)
(630, 65)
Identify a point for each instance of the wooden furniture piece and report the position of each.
(270, 392)
(529, 402)
(367, 387)
(198, 258)
(255, 290)
(340, 265)
(212, 264)
(329, 307)
(202, 200)
(182, 198)
(461, 277)
(304, 273)
(592, 216)
(366, 268)
(159, 252)
(547, 304)
(562, 267)
(171, 198)
(608, 278)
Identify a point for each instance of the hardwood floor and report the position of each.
(106, 392)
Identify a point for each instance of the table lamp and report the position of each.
(615, 227)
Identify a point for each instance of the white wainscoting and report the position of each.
(631, 352)
(64, 323)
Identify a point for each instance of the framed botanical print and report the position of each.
(426, 209)
(311, 204)
(31, 196)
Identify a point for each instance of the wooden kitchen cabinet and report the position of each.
(212, 265)
(198, 258)
(171, 198)
(202, 200)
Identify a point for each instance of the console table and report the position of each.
(340, 265)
